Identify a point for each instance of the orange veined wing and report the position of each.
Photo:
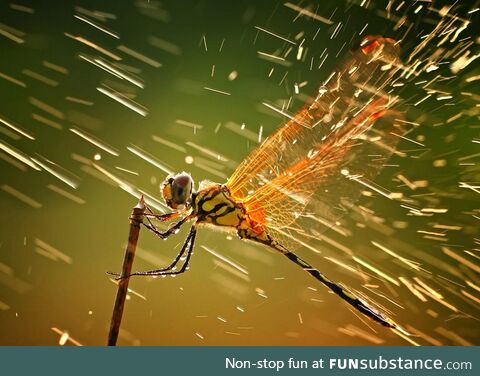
(315, 163)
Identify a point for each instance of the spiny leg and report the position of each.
(191, 244)
(172, 230)
(169, 267)
(161, 217)
(188, 244)
(358, 304)
(163, 235)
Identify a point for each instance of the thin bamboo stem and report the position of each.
(135, 221)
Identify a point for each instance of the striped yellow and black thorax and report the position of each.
(215, 205)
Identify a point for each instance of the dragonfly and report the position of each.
(308, 171)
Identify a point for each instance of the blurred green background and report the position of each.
(276, 304)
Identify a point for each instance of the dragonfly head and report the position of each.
(177, 190)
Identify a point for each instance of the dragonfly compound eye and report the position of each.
(177, 190)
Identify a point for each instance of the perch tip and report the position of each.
(141, 202)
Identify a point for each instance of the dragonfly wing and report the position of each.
(317, 161)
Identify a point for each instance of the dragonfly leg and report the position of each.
(169, 267)
(355, 302)
(161, 217)
(187, 247)
(172, 230)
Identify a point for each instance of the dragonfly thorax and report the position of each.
(214, 204)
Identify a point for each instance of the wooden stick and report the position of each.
(135, 220)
